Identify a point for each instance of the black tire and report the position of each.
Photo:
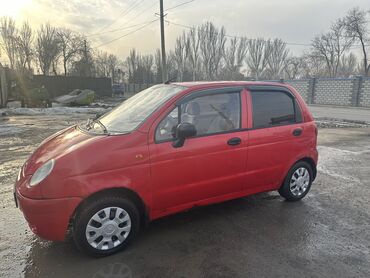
(285, 189)
(88, 211)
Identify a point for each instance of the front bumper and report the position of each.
(48, 218)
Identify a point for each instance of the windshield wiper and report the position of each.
(102, 126)
(91, 122)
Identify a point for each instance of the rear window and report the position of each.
(272, 108)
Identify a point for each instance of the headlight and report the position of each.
(42, 172)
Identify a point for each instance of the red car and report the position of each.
(167, 149)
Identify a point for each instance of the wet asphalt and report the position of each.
(325, 235)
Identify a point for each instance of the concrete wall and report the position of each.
(325, 91)
(365, 95)
(334, 91)
(303, 87)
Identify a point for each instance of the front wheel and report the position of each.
(106, 225)
(298, 182)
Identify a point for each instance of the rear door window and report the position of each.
(272, 109)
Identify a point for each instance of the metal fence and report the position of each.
(60, 85)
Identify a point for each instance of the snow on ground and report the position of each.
(53, 111)
(10, 130)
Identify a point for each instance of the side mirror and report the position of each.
(183, 131)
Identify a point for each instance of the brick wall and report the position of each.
(333, 91)
(303, 88)
(326, 91)
(365, 93)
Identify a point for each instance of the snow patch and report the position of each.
(334, 162)
(10, 130)
(53, 111)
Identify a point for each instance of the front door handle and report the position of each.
(234, 141)
(297, 132)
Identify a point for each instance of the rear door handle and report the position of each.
(234, 141)
(297, 132)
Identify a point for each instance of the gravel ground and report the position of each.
(325, 235)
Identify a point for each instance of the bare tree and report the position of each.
(132, 64)
(348, 64)
(71, 45)
(147, 65)
(313, 66)
(101, 64)
(357, 27)
(257, 59)
(331, 46)
(234, 56)
(194, 44)
(212, 48)
(85, 65)
(112, 65)
(47, 48)
(182, 47)
(9, 32)
(24, 49)
(293, 67)
(277, 58)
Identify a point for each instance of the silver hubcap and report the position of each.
(108, 228)
(299, 181)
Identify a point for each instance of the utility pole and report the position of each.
(163, 48)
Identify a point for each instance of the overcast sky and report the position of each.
(295, 21)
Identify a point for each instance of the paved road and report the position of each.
(341, 113)
(325, 235)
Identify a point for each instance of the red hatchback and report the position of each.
(167, 149)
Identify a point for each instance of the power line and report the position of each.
(123, 13)
(118, 29)
(127, 34)
(123, 26)
(230, 36)
(238, 37)
(179, 5)
(140, 13)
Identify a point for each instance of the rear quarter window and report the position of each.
(274, 108)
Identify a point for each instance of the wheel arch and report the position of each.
(114, 191)
(312, 163)
(306, 159)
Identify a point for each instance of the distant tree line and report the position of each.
(54, 51)
(205, 52)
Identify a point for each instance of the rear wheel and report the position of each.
(106, 225)
(298, 182)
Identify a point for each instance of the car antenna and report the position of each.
(171, 79)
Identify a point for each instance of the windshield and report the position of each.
(131, 113)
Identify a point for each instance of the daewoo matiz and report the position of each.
(167, 149)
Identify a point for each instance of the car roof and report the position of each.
(210, 84)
